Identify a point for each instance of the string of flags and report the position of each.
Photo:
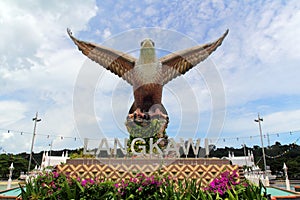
(48, 136)
(224, 139)
(278, 156)
(293, 145)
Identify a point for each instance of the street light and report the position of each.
(35, 119)
(261, 138)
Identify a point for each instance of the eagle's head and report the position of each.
(147, 52)
(147, 43)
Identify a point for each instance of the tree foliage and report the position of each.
(20, 165)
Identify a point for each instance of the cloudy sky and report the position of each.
(256, 70)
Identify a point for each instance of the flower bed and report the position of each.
(59, 186)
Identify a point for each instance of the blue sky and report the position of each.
(256, 69)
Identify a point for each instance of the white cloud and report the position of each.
(11, 111)
(106, 33)
(38, 68)
(258, 59)
(29, 27)
(150, 11)
(282, 121)
(5, 136)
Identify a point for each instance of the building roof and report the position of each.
(247, 160)
(53, 160)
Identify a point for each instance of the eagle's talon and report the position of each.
(139, 113)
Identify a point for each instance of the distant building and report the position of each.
(53, 160)
(247, 160)
(253, 173)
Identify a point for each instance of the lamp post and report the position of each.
(11, 168)
(262, 142)
(35, 119)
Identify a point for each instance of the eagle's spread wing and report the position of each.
(180, 62)
(117, 62)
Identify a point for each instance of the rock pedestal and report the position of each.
(148, 128)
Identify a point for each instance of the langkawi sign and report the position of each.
(140, 148)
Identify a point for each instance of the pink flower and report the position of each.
(245, 184)
(140, 175)
(83, 182)
(52, 184)
(55, 174)
(91, 181)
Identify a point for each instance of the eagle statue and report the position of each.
(147, 74)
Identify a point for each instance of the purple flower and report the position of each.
(83, 182)
(52, 184)
(140, 175)
(55, 174)
(245, 184)
(91, 181)
(140, 189)
(220, 191)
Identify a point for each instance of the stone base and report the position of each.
(201, 169)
